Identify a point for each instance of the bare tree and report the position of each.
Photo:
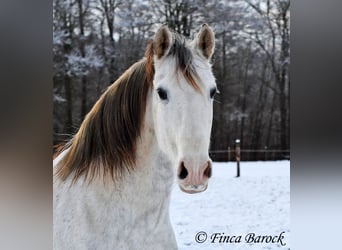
(108, 9)
(64, 25)
(276, 17)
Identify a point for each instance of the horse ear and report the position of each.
(205, 41)
(162, 41)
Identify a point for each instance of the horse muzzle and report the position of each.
(193, 178)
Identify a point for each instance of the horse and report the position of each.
(113, 179)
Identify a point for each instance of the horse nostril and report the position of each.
(183, 173)
(207, 171)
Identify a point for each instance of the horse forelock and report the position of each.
(181, 52)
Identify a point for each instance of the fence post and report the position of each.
(265, 153)
(229, 153)
(237, 156)
(273, 155)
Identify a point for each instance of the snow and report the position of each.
(257, 202)
(58, 98)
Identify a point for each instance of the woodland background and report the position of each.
(94, 41)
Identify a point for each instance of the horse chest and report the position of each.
(96, 217)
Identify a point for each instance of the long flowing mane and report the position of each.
(107, 138)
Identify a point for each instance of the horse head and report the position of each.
(182, 103)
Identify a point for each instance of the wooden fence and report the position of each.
(250, 154)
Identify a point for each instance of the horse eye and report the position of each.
(162, 93)
(213, 92)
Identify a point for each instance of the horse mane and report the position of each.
(184, 60)
(106, 141)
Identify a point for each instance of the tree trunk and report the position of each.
(270, 122)
(259, 113)
(68, 97)
(81, 14)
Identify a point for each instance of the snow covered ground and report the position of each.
(258, 202)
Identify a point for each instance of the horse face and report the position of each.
(183, 112)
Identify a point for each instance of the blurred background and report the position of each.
(94, 41)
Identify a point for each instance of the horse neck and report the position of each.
(154, 165)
